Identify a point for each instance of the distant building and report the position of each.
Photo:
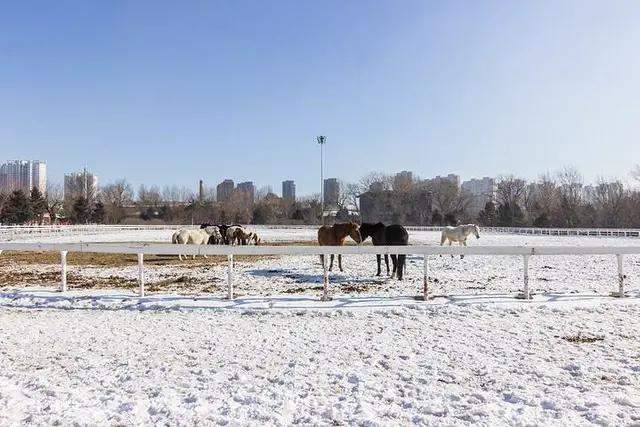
(403, 181)
(452, 177)
(289, 191)
(249, 189)
(481, 190)
(225, 190)
(411, 207)
(78, 184)
(23, 175)
(331, 192)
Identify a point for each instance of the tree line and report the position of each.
(553, 200)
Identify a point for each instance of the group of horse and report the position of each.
(212, 234)
(385, 235)
(329, 235)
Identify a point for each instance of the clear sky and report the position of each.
(171, 92)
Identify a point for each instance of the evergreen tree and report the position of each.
(436, 218)
(81, 211)
(510, 216)
(98, 214)
(38, 204)
(488, 215)
(17, 209)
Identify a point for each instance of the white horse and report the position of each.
(196, 237)
(459, 234)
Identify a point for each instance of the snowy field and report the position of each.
(278, 356)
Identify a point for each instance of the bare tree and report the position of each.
(609, 199)
(116, 197)
(375, 180)
(263, 191)
(635, 173)
(149, 197)
(570, 192)
(54, 199)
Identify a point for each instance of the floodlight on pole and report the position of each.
(321, 140)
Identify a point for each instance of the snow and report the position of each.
(373, 355)
(439, 363)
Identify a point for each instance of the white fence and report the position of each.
(526, 252)
(11, 232)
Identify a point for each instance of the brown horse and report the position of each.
(335, 235)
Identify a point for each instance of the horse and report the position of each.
(193, 237)
(392, 235)
(335, 235)
(223, 230)
(215, 237)
(459, 234)
(237, 235)
(253, 239)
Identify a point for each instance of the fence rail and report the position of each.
(8, 232)
(526, 252)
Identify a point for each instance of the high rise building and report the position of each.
(224, 190)
(289, 191)
(331, 192)
(249, 189)
(82, 183)
(481, 191)
(23, 175)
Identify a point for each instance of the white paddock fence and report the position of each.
(526, 252)
(12, 232)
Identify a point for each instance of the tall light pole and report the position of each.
(321, 140)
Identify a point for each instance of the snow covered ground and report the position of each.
(372, 356)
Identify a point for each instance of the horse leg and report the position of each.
(386, 261)
(450, 242)
(463, 243)
(394, 261)
(401, 261)
(322, 260)
(340, 262)
(331, 263)
(379, 259)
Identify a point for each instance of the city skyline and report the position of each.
(210, 184)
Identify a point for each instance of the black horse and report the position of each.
(387, 235)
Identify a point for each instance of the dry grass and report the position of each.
(582, 339)
(11, 258)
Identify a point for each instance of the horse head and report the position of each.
(368, 229)
(354, 232)
(476, 231)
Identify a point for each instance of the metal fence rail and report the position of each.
(526, 252)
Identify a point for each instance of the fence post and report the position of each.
(325, 280)
(141, 273)
(425, 278)
(230, 276)
(621, 277)
(63, 271)
(526, 294)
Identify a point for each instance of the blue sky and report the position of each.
(171, 92)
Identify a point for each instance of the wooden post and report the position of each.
(141, 273)
(425, 278)
(620, 292)
(230, 276)
(325, 280)
(526, 294)
(63, 271)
